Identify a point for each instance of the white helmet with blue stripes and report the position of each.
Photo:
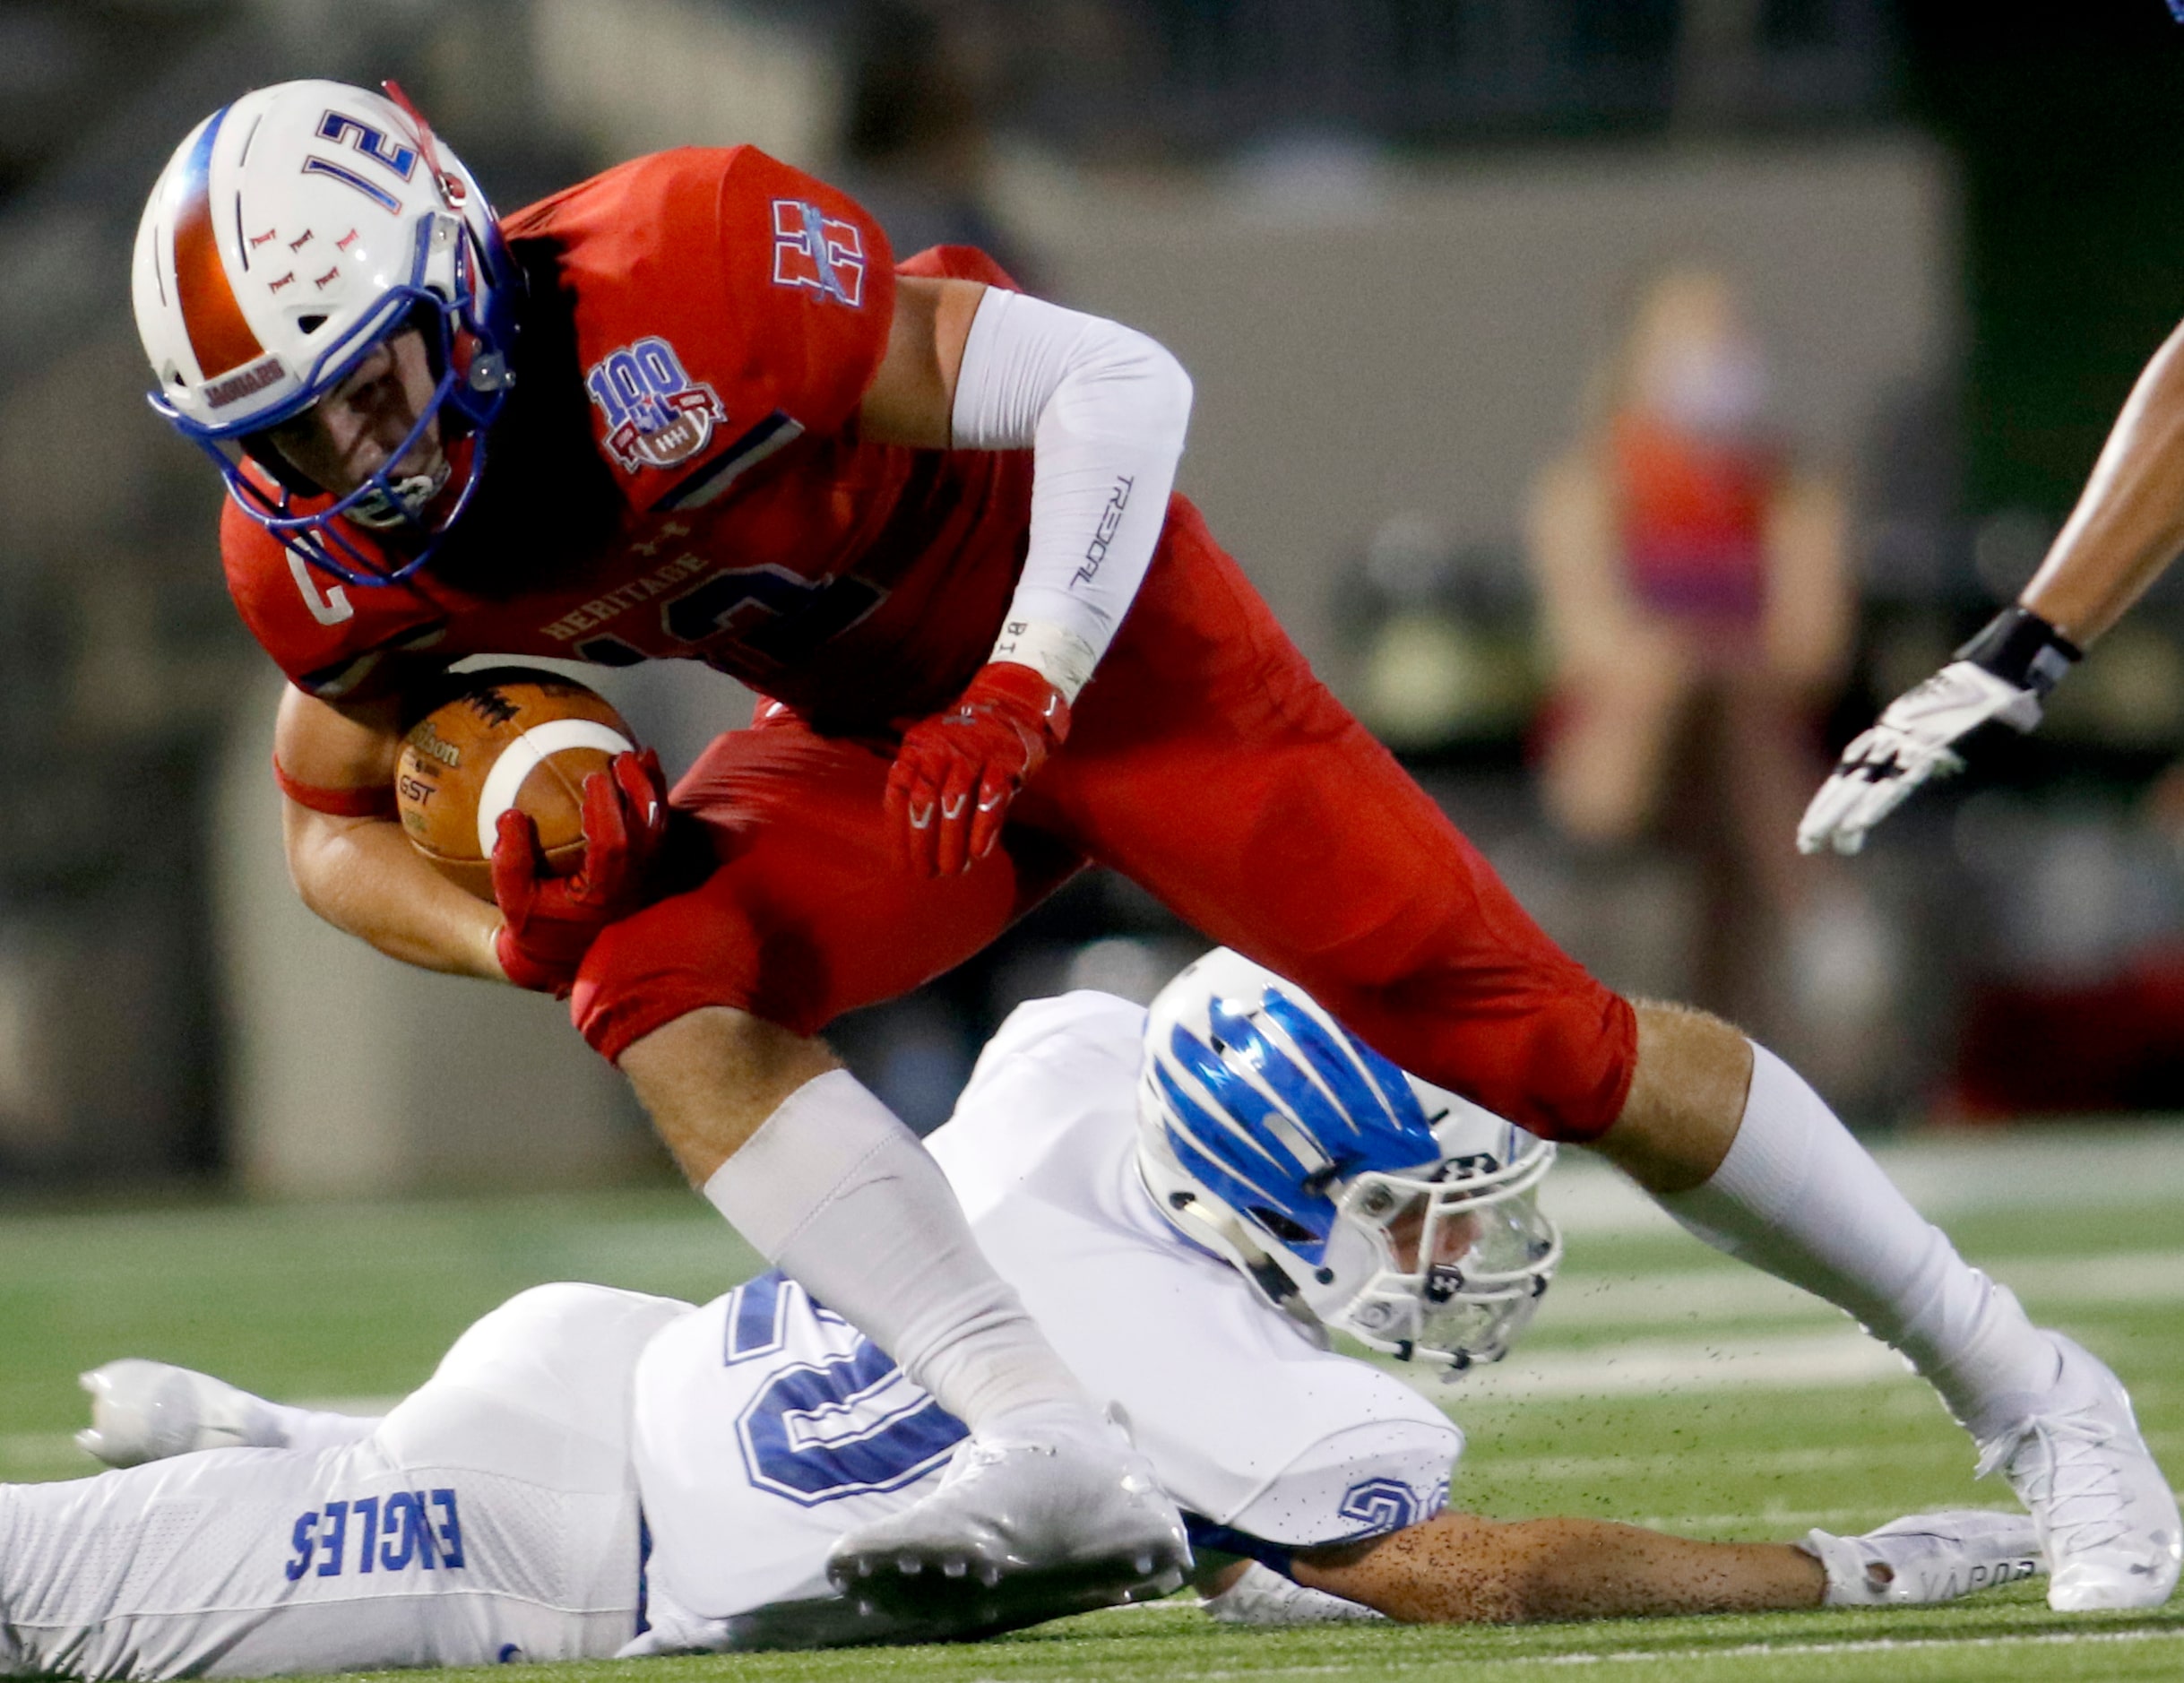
(1354, 1197)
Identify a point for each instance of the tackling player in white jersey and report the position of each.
(1185, 1203)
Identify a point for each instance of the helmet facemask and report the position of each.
(1445, 1264)
(410, 513)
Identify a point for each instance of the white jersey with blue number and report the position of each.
(767, 1427)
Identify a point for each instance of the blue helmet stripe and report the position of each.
(1307, 1103)
(1386, 1123)
(1194, 1136)
(1330, 1060)
(1402, 1100)
(1250, 1108)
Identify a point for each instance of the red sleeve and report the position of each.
(958, 262)
(352, 802)
(724, 304)
(337, 642)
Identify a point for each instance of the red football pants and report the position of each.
(1205, 762)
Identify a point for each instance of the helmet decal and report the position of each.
(1210, 1150)
(1291, 1085)
(339, 125)
(1377, 1107)
(317, 166)
(220, 335)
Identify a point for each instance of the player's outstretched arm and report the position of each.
(2129, 526)
(356, 869)
(1461, 1568)
(2128, 523)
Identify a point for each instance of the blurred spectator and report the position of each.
(1697, 606)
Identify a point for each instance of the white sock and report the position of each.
(841, 1196)
(1800, 1198)
(314, 1429)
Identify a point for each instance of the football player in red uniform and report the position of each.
(693, 409)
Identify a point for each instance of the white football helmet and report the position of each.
(1352, 1195)
(292, 231)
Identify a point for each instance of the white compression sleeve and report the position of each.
(841, 1195)
(1799, 1197)
(1104, 410)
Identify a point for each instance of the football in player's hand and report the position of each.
(512, 736)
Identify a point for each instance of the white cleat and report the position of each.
(1051, 1512)
(147, 1410)
(1927, 1558)
(2106, 1515)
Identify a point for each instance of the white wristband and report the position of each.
(1064, 658)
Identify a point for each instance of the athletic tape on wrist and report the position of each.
(1057, 653)
(2020, 648)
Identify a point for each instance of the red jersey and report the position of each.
(678, 474)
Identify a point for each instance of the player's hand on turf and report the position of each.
(2002, 675)
(551, 921)
(957, 772)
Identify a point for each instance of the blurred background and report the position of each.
(1618, 399)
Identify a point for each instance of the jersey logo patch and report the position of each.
(657, 415)
(1379, 1505)
(813, 249)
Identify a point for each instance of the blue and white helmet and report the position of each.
(1354, 1197)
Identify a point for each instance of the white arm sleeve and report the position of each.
(1104, 410)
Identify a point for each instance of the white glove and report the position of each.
(1264, 1597)
(2001, 674)
(1927, 1558)
(1914, 741)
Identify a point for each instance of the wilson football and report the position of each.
(508, 737)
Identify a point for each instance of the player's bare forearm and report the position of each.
(361, 874)
(1458, 1568)
(2129, 524)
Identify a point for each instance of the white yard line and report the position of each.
(1381, 1664)
(2028, 1168)
(1661, 1367)
(42, 1452)
(1869, 1644)
(1728, 1293)
(1678, 1462)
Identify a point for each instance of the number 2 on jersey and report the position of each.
(846, 1424)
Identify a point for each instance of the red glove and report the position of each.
(957, 772)
(551, 921)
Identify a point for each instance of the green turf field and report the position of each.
(1661, 1384)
